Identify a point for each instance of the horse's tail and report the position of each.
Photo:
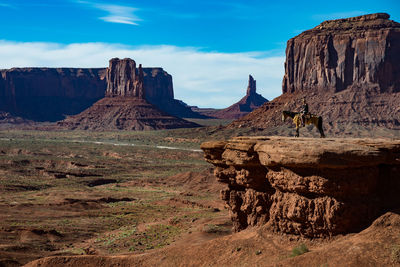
(321, 130)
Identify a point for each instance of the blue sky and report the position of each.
(208, 46)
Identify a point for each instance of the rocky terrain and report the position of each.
(347, 69)
(125, 106)
(247, 104)
(307, 187)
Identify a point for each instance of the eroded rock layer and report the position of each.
(310, 187)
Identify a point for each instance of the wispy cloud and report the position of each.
(115, 13)
(205, 79)
(338, 15)
(6, 5)
(119, 14)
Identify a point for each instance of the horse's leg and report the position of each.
(297, 131)
(320, 129)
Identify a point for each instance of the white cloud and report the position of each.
(119, 14)
(115, 13)
(205, 79)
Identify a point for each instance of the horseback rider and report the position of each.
(304, 112)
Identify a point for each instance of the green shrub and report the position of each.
(299, 250)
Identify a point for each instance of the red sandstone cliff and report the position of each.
(349, 71)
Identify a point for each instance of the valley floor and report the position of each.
(145, 199)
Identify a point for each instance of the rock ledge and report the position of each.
(305, 186)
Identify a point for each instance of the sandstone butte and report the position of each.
(308, 187)
(348, 70)
(124, 107)
(247, 104)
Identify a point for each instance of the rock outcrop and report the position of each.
(125, 106)
(309, 187)
(348, 70)
(247, 104)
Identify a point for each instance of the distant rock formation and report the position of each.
(48, 94)
(123, 79)
(348, 70)
(124, 106)
(247, 104)
(309, 187)
(251, 87)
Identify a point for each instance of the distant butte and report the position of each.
(247, 104)
(125, 106)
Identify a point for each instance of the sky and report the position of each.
(209, 47)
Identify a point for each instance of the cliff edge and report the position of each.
(308, 187)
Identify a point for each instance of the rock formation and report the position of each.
(348, 69)
(247, 104)
(339, 54)
(48, 94)
(125, 106)
(123, 79)
(310, 187)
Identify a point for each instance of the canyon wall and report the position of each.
(309, 187)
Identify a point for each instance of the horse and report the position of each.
(309, 119)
